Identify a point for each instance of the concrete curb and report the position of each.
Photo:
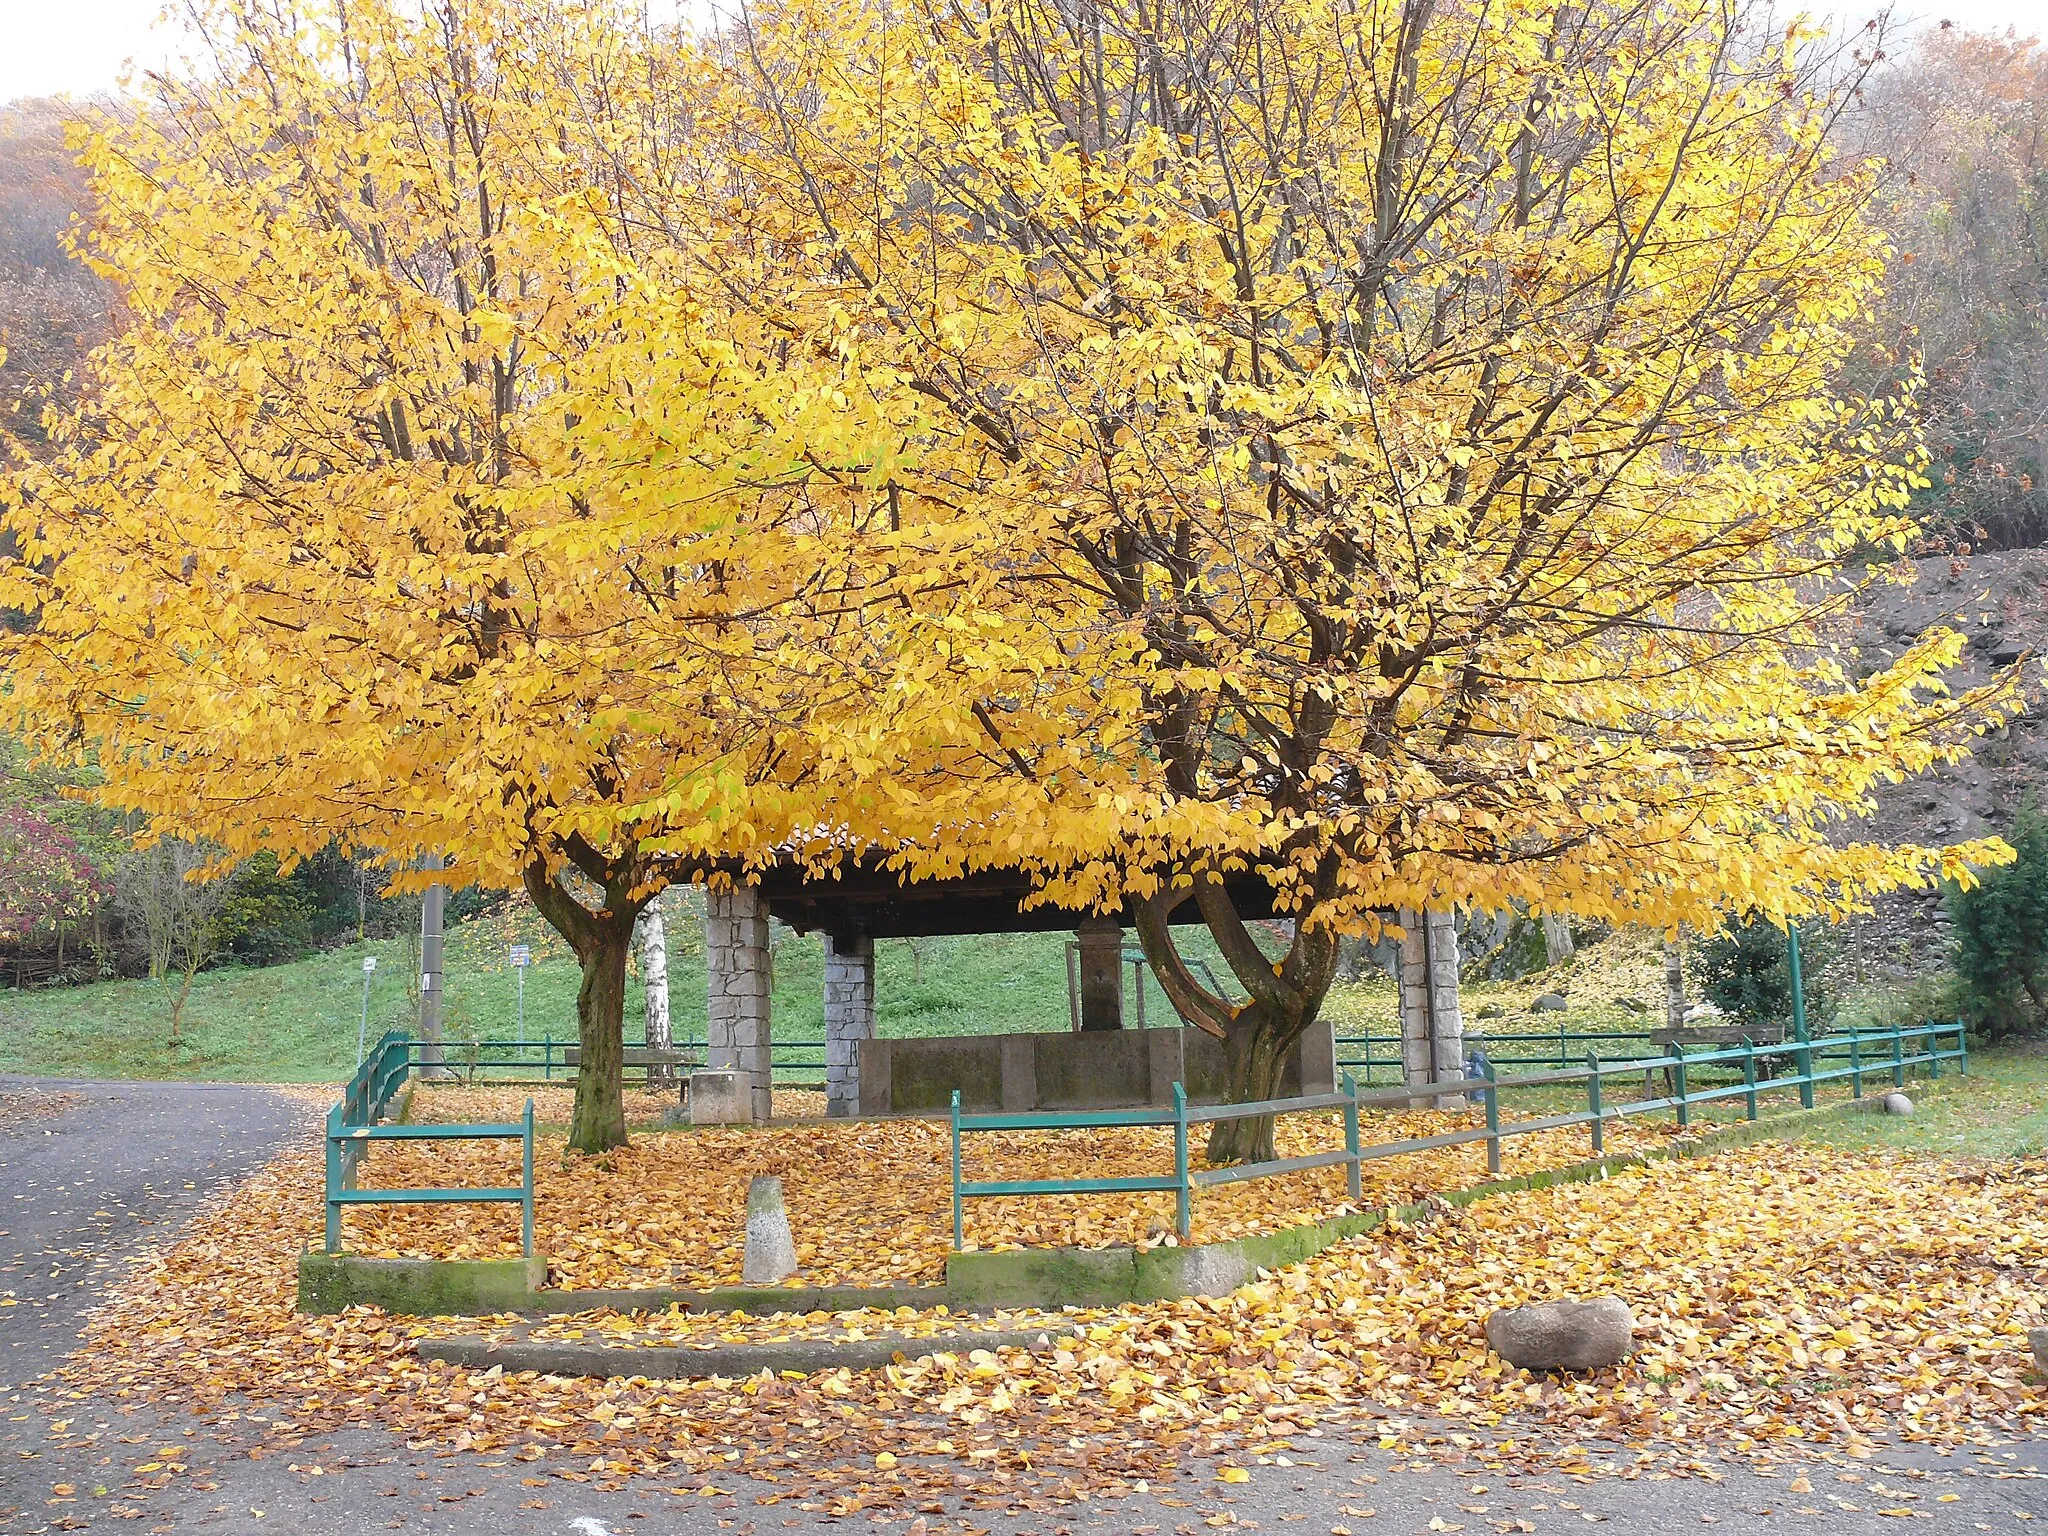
(661, 1362)
(759, 1300)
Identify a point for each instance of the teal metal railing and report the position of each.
(548, 1057)
(1832, 1058)
(354, 1123)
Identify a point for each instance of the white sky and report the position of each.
(77, 47)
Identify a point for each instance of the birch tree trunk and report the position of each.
(650, 934)
(1674, 984)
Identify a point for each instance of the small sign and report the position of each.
(369, 964)
(522, 956)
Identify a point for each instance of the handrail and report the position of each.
(1809, 1055)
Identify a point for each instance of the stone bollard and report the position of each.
(771, 1251)
(719, 1098)
(1897, 1104)
(1563, 1335)
(2037, 1340)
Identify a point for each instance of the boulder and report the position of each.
(771, 1251)
(720, 1098)
(1493, 1011)
(1897, 1104)
(1633, 1004)
(1563, 1335)
(1549, 1002)
(2037, 1340)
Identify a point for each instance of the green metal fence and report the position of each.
(546, 1059)
(353, 1124)
(1852, 1057)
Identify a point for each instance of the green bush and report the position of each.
(1745, 971)
(2001, 928)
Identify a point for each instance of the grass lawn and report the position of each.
(2001, 1112)
(298, 1022)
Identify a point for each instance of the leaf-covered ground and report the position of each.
(1783, 1294)
(870, 1202)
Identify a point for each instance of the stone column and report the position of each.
(736, 991)
(1446, 1019)
(1102, 973)
(1432, 1027)
(849, 1017)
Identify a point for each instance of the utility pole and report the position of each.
(432, 1062)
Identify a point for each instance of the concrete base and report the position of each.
(720, 1098)
(1105, 1069)
(333, 1282)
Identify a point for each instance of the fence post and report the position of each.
(1593, 1102)
(1898, 1058)
(956, 1171)
(1351, 1181)
(333, 1179)
(547, 1069)
(1492, 1118)
(526, 1180)
(1749, 1076)
(1804, 1056)
(1855, 1064)
(1678, 1085)
(1962, 1049)
(1933, 1054)
(1183, 1205)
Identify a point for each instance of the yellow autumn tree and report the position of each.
(1393, 446)
(420, 505)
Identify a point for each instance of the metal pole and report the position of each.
(522, 1002)
(1351, 1182)
(1492, 1119)
(433, 1061)
(526, 1214)
(1805, 1055)
(1593, 1103)
(957, 1232)
(363, 1028)
(1183, 1206)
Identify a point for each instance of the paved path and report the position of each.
(112, 1166)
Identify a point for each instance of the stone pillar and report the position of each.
(1446, 1019)
(1102, 973)
(736, 990)
(1432, 1027)
(849, 1017)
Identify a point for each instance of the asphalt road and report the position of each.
(114, 1166)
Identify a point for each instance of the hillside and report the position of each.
(2000, 601)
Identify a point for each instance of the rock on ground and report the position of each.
(1563, 1335)
(1897, 1104)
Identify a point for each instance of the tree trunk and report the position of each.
(602, 940)
(651, 934)
(1254, 1061)
(1284, 999)
(598, 1122)
(1557, 938)
(1674, 984)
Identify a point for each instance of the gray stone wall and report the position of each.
(736, 991)
(849, 1018)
